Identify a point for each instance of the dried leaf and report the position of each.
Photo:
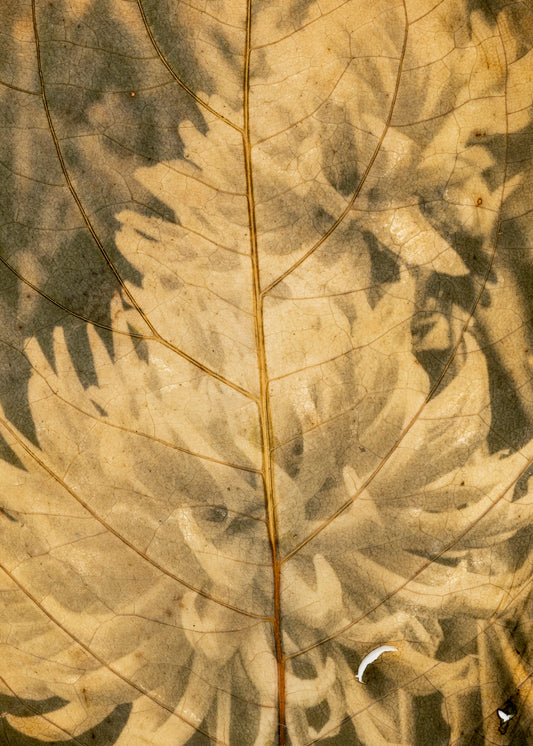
(267, 387)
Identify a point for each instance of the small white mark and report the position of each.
(371, 657)
(504, 716)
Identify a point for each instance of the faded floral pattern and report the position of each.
(293, 422)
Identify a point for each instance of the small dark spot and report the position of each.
(9, 517)
(217, 514)
(479, 201)
(298, 447)
(463, 483)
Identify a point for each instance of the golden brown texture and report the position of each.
(266, 281)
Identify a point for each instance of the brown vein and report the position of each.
(27, 706)
(67, 175)
(442, 115)
(407, 684)
(100, 660)
(153, 438)
(492, 505)
(404, 432)
(422, 568)
(56, 303)
(302, 26)
(176, 77)
(363, 179)
(350, 351)
(267, 436)
(119, 536)
(496, 620)
(19, 90)
(311, 113)
(208, 371)
(437, 383)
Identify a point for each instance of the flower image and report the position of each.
(266, 402)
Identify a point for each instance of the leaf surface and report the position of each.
(267, 384)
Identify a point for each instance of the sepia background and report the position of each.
(266, 372)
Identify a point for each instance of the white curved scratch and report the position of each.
(371, 657)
